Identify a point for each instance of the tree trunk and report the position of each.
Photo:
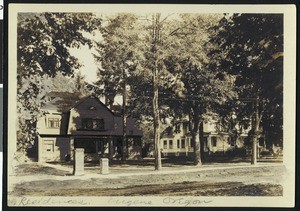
(256, 134)
(196, 137)
(158, 164)
(201, 141)
(124, 140)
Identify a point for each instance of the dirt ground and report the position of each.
(258, 181)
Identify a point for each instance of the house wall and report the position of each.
(177, 146)
(70, 124)
(209, 127)
(222, 143)
(53, 148)
(44, 126)
(131, 129)
(113, 125)
(83, 110)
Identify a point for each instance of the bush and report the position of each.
(237, 152)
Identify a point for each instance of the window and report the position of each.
(98, 124)
(178, 143)
(177, 128)
(93, 124)
(231, 141)
(53, 122)
(183, 143)
(48, 146)
(165, 144)
(214, 141)
(92, 108)
(171, 144)
(192, 142)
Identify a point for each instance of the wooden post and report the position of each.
(111, 148)
(72, 148)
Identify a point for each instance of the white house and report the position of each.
(176, 140)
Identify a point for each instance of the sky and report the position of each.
(86, 58)
(89, 67)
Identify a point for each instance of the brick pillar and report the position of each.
(104, 166)
(78, 168)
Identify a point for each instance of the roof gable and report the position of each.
(89, 98)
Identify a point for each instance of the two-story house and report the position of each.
(176, 140)
(88, 124)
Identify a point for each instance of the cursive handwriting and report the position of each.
(129, 202)
(184, 201)
(24, 201)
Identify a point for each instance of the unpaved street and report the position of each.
(258, 181)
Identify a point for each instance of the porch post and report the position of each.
(186, 144)
(40, 149)
(111, 147)
(72, 148)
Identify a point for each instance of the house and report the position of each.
(88, 124)
(176, 140)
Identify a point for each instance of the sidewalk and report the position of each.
(117, 172)
(133, 171)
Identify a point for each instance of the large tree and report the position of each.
(44, 41)
(119, 56)
(204, 87)
(251, 48)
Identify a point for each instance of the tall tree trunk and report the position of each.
(196, 137)
(256, 134)
(156, 31)
(124, 140)
(201, 131)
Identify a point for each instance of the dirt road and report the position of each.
(258, 181)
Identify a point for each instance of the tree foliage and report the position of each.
(118, 54)
(44, 41)
(251, 48)
(203, 88)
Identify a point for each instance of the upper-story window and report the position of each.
(92, 108)
(177, 128)
(165, 144)
(231, 140)
(93, 124)
(53, 122)
(214, 141)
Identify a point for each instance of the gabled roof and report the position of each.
(91, 97)
(65, 101)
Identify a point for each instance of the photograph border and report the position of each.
(289, 97)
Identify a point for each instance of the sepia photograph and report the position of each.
(151, 105)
